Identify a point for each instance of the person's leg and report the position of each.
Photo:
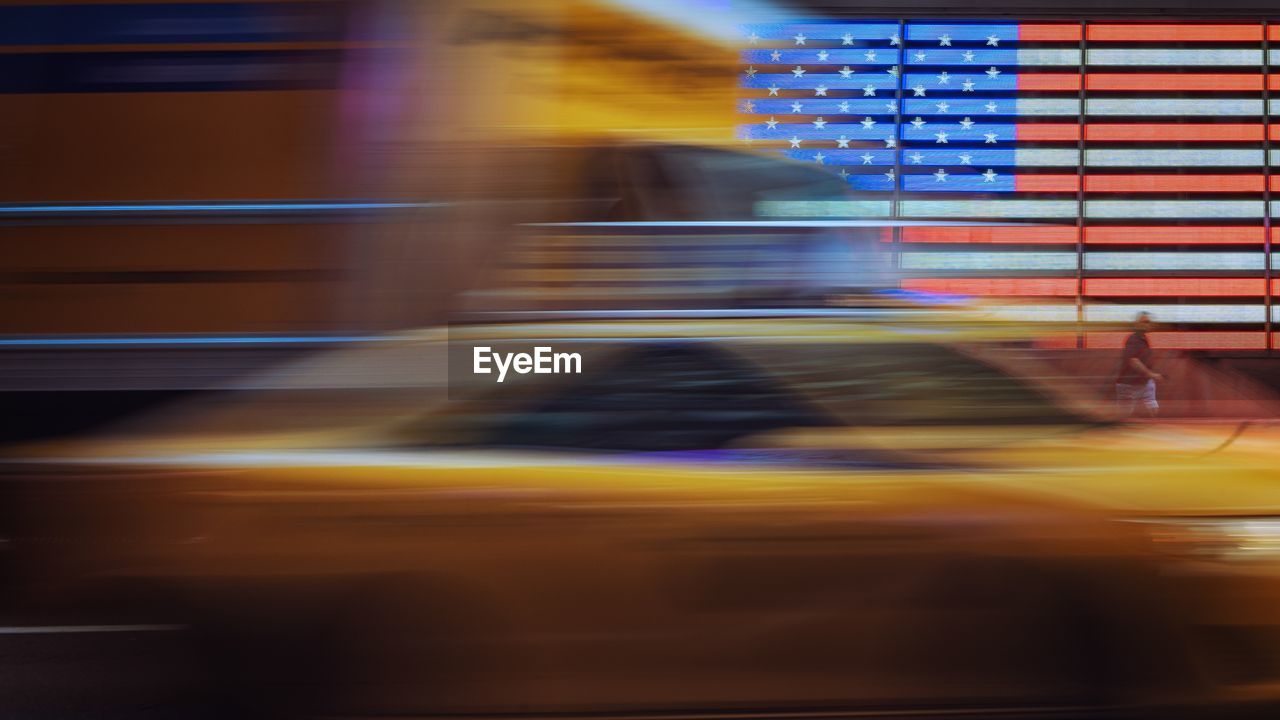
(1124, 400)
(1149, 404)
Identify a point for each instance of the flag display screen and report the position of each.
(1140, 155)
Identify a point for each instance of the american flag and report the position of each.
(1142, 150)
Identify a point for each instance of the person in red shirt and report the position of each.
(1136, 380)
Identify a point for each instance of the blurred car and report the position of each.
(878, 512)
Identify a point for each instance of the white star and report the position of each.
(891, 142)
(771, 122)
(820, 91)
(869, 91)
(775, 56)
(944, 78)
(748, 107)
(795, 141)
(823, 55)
(773, 89)
(916, 158)
(966, 159)
(944, 41)
(753, 39)
(796, 106)
(895, 39)
(990, 138)
(751, 72)
(819, 123)
(967, 85)
(891, 106)
(842, 142)
(941, 138)
(870, 55)
(820, 158)
(893, 71)
(800, 38)
(798, 72)
(919, 90)
(919, 122)
(991, 106)
(944, 107)
(940, 176)
(993, 73)
(845, 72)
(843, 173)
(969, 56)
(891, 175)
(868, 158)
(920, 56)
(844, 106)
(847, 39)
(989, 175)
(993, 40)
(966, 123)
(868, 123)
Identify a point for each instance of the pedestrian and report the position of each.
(1136, 380)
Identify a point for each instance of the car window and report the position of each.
(699, 395)
(908, 384)
(730, 185)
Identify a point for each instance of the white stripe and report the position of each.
(1046, 157)
(1178, 313)
(821, 208)
(1275, 56)
(1048, 106)
(1173, 106)
(1199, 157)
(990, 208)
(1033, 313)
(71, 629)
(1174, 56)
(1048, 56)
(1275, 156)
(1159, 209)
(989, 261)
(1173, 261)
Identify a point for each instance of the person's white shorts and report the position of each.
(1128, 395)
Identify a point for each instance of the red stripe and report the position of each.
(1274, 130)
(1046, 183)
(1162, 32)
(1032, 32)
(1148, 82)
(1049, 81)
(1023, 287)
(1275, 183)
(1273, 80)
(1174, 235)
(1183, 340)
(1275, 287)
(1048, 132)
(1274, 31)
(1043, 235)
(1169, 132)
(1056, 342)
(1173, 287)
(1175, 183)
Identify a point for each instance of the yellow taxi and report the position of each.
(866, 512)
